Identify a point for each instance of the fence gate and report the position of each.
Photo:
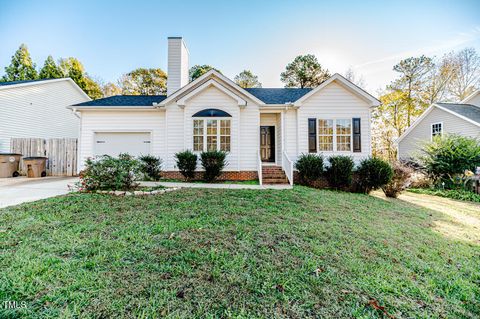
(61, 153)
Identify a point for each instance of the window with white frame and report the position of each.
(325, 135)
(436, 129)
(211, 135)
(334, 135)
(344, 135)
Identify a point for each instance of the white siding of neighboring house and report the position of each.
(411, 144)
(121, 121)
(38, 110)
(244, 128)
(333, 102)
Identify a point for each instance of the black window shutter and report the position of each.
(312, 135)
(357, 139)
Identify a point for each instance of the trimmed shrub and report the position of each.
(309, 167)
(186, 163)
(448, 157)
(339, 173)
(151, 167)
(110, 173)
(400, 180)
(373, 173)
(213, 163)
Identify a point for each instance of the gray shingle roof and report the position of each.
(125, 100)
(278, 95)
(269, 96)
(467, 110)
(21, 82)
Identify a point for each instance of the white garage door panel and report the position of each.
(133, 143)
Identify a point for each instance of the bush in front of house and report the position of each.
(340, 171)
(186, 163)
(448, 158)
(110, 173)
(309, 167)
(213, 162)
(373, 173)
(400, 180)
(151, 167)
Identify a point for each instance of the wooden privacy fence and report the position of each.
(61, 153)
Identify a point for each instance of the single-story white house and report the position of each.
(441, 118)
(37, 109)
(256, 126)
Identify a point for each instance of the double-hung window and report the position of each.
(334, 135)
(211, 135)
(437, 129)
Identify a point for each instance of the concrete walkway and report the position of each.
(216, 185)
(14, 191)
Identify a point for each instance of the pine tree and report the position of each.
(22, 67)
(50, 69)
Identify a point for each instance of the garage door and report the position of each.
(133, 143)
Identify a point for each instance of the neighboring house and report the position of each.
(37, 109)
(439, 119)
(257, 126)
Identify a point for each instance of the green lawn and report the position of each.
(236, 253)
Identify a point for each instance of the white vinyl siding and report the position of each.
(244, 128)
(39, 110)
(94, 122)
(411, 144)
(334, 102)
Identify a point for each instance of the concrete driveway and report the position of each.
(14, 191)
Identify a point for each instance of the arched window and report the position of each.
(211, 113)
(211, 130)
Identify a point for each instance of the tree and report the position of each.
(246, 79)
(388, 123)
(197, 71)
(412, 78)
(304, 72)
(21, 67)
(143, 81)
(110, 89)
(50, 69)
(73, 68)
(437, 81)
(352, 77)
(467, 73)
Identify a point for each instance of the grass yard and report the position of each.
(240, 254)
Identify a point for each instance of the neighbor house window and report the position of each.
(325, 135)
(211, 135)
(334, 135)
(436, 129)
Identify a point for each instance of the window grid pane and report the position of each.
(225, 135)
(343, 130)
(325, 135)
(436, 129)
(198, 135)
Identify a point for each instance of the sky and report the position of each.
(113, 37)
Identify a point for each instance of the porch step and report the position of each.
(273, 175)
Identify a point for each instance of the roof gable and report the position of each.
(198, 84)
(20, 84)
(447, 107)
(349, 86)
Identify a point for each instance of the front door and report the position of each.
(267, 143)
